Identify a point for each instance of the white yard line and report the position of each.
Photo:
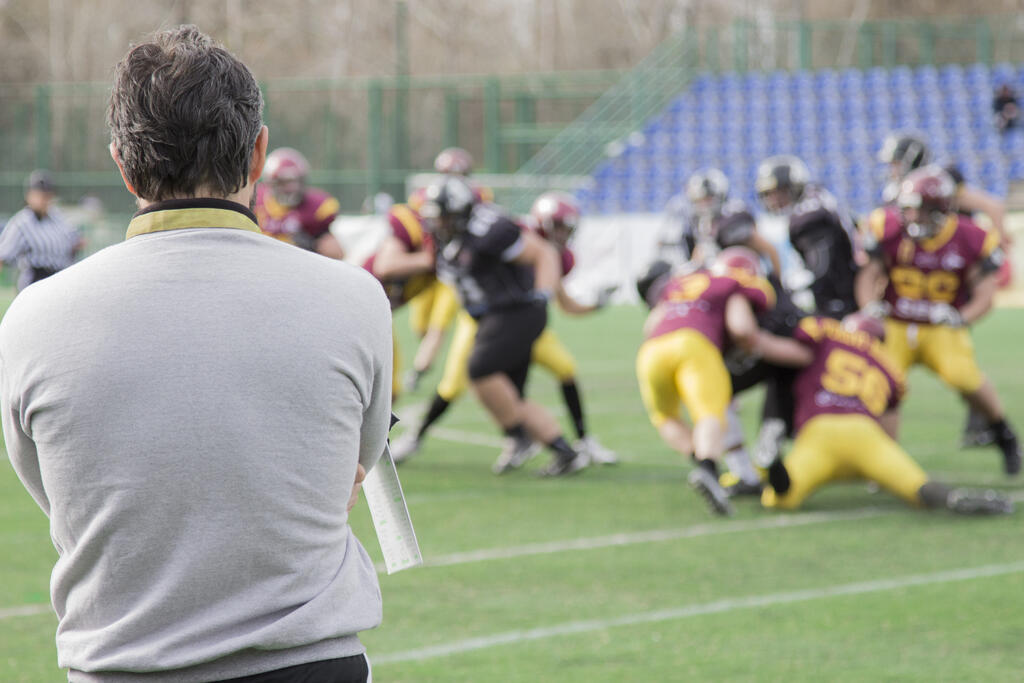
(654, 536)
(25, 611)
(687, 611)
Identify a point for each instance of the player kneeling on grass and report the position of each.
(845, 400)
(695, 317)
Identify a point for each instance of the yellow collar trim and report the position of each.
(943, 236)
(184, 219)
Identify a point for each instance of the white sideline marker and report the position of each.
(687, 611)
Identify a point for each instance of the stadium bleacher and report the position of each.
(834, 120)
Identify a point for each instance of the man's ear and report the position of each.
(120, 167)
(259, 155)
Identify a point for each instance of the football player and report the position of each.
(903, 152)
(694, 318)
(432, 312)
(504, 277)
(404, 264)
(819, 230)
(289, 210)
(936, 271)
(702, 220)
(556, 216)
(845, 395)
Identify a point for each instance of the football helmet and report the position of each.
(557, 214)
(781, 181)
(926, 198)
(739, 258)
(707, 190)
(863, 322)
(903, 152)
(285, 172)
(454, 161)
(447, 204)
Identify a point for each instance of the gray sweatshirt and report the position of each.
(188, 408)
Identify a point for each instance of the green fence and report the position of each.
(370, 134)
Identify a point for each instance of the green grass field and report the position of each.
(620, 573)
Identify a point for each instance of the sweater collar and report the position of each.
(183, 214)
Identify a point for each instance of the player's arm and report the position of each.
(543, 258)
(393, 262)
(328, 245)
(570, 305)
(758, 243)
(869, 282)
(740, 322)
(984, 284)
(782, 350)
(974, 200)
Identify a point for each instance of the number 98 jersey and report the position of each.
(926, 272)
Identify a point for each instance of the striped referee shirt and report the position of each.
(33, 242)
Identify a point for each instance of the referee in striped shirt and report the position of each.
(37, 238)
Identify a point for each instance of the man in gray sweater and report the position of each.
(193, 413)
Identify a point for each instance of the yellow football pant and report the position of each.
(836, 447)
(947, 351)
(682, 367)
(433, 309)
(548, 351)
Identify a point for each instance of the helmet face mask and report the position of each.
(446, 207)
(926, 199)
(903, 153)
(780, 182)
(557, 215)
(707, 191)
(285, 173)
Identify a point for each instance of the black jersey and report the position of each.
(480, 263)
(823, 235)
(732, 225)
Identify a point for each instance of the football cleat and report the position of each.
(405, 446)
(987, 502)
(563, 466)
(515, 454)
(599, 455)
(1011, 456)
(705, 483)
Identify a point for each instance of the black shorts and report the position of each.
(352, 669)
(504, 342)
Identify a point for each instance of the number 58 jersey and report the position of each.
(924, 273)
(851, 373)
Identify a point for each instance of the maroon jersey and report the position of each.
(851, 373)
(300, 225)
(923, 273)
(697, 301)
(405, 226)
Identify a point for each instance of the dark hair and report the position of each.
(184, 115)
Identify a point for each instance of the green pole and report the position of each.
(526, 114)
(401, 87)
(926, 39)
(451, 119)
(711, 50)
(805, 55)
(739, 45)
(492, 125)
(866, 45)
(889, 44)
(374, 116)
(983, 39)
(43, 152)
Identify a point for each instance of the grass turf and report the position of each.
(597, 608)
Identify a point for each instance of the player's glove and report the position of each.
(944, 314)
(877, 309)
